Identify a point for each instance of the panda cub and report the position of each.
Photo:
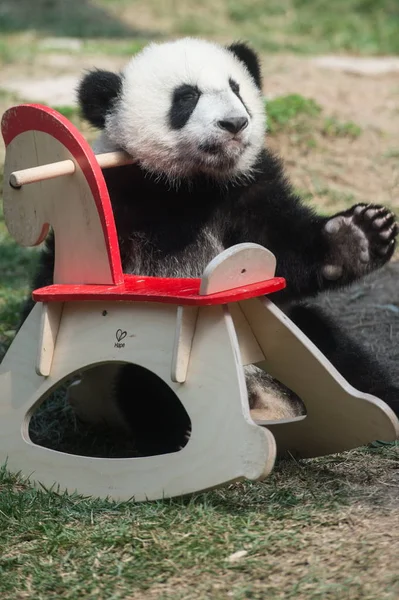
(192, 114)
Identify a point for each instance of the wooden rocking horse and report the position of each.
(195, 334)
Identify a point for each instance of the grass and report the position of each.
(294, 113)
(288, 112)
(60, 546)
(17, 265)
(304, 122)
(78, 18)
(123, 26)
(334, 128)
(368, 26)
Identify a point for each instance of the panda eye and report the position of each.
(234, 86)
(188, 96)
(186, 93)
(184, 101)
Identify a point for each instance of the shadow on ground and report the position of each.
(71, 18)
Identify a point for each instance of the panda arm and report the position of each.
(291, 231)
(314, 253)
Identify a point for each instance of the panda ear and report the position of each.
(250, 59)
(97, 93)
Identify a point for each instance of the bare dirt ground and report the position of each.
(367, 167)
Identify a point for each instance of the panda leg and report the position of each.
(156, 418)
(268, 398)
(351, 360)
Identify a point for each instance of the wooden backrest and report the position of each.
(76, 206)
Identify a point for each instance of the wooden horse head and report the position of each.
(76, 206)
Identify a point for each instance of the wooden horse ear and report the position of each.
(97, 93)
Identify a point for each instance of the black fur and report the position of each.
(236, 89)
(184, 101)
(347, 356)
(247, 56)
(149, 406)
(97, 94)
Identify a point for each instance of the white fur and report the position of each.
(140, 122)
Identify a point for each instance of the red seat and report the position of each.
(155, 289)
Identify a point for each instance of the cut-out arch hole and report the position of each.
(155, 420)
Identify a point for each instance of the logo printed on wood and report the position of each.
(120, 335)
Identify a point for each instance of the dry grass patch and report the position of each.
(322, 528)
(351, 556)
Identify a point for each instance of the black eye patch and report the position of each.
(234, 86)
(236, 89)
(184, 101)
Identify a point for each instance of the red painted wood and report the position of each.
(155, 289)
(34, 117)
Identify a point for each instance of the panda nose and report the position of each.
(233, 124)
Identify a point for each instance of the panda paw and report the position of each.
(361, 239)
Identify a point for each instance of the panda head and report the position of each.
(181, 108)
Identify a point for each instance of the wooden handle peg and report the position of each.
(65, 167)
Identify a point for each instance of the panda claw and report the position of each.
(361, 239)
(383, 250)
(359, 209)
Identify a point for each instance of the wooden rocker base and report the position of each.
(226, 445)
